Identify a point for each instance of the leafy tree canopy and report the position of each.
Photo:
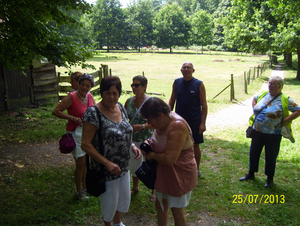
(171, 27)
(29, 30)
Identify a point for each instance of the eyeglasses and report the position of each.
(135, 85)
(272, 83)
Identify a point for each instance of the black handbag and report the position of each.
(95, 180)
(249, 130)
(147, 171)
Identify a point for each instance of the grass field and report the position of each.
(162, 68)
(46, 197)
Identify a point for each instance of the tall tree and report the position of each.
(139, 20)
(28, 31)
(202, 28)
(171, 27)
(250, 26)
(108, 22)
(287, 37)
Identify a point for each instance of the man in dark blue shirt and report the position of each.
(190, 97)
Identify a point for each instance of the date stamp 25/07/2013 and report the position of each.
(258, 199)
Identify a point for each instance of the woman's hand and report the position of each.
(137, 127)
(136, 151)
(76, 120)
(113, 168)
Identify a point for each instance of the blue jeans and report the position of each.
(272, 146)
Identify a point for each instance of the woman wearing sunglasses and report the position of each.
(141, 129)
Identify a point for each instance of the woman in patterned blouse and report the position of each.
(117, 143)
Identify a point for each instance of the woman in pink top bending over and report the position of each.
(76, 103)
(172, 146)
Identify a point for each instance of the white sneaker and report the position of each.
(121, 224)
(81, 195)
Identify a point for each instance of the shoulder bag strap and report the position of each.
(265, 107)
(138, 110)
(101, 148)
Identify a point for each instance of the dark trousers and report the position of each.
(272, 146)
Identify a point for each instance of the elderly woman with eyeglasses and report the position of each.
(269, 109)
(141, 129)
(76, 103)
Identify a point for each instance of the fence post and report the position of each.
(258, 71)
(110, 71)
(105, 69)
(143, 73)
(245, 82)
(254, 73)
(231, 89)
(100, 76)
(57, 85)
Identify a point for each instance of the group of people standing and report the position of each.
(173, 136)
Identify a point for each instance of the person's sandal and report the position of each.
(134, 191)
(153, 197)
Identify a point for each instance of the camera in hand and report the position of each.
(145, 147)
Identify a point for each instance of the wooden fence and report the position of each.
(64, 86)
(246, 79)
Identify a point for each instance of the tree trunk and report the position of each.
(170, 49)
(298, 63)
(289, 59)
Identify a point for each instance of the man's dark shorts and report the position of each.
(198, 138)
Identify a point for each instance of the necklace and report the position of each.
(81, 96)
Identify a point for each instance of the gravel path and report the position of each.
(235, 115)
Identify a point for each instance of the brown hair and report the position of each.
(153, 106)
(76, 75)
(110, 81)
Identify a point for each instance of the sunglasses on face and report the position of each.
(135, 85)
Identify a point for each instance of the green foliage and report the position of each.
(171, 27)
(108, 22)
(28, 31)
(201, 32)
(249, 26)
(139, 21)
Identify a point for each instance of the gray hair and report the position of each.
(88, 77)
(278, 79)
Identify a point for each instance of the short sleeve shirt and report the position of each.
(116, 138)
(143, 134)
(269, 120)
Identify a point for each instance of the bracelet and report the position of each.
(143, 126)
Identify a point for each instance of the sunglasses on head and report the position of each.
(135, 85)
